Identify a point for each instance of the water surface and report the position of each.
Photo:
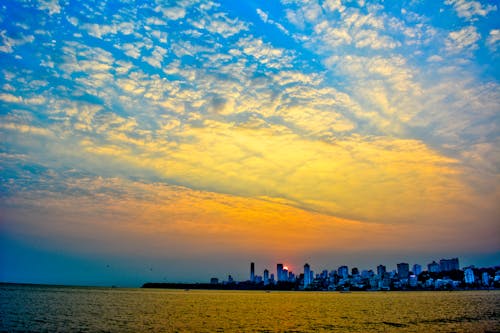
(70, 309)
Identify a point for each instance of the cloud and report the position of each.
(334, 5)
(172, 13)
(470, 9)
(463, 41)
(52, 6)
(9, 44)
(493, 40)
(265, 18)
(221, 24)
(119, 216)
(363, 120)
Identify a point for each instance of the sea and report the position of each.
(33, 308)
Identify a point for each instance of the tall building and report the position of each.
(447, 265)
(266, 277)
(469, 275)
(417, 269)
(381, 270)
(252, 272)
(285, 276)
(486, 279)
(403, 270)
(355, 271)
(343, 272)
(279, 272)
(433, 267)
(307, 275)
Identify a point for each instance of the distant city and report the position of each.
(443, 275)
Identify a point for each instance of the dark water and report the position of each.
(67, 309)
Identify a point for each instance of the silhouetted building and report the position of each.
(214, 280)
(252, 272)
(343, 272)
(433, 267)
(417, 269)
(447, 265)
(279, 272)
(381, 270)
(307, 275)
(403, 270)
(355, 271)
(285, 274)
(266, 277)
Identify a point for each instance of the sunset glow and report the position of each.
(183, 139)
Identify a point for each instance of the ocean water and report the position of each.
(70, 309)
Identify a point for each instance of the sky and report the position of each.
(181, 140)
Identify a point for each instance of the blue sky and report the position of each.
(207, 134)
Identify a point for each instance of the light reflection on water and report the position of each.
(67, 309)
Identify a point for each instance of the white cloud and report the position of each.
(9, 43)
(493, 40)
(435, 58)
(463, 41)
(334, 5)
(263, 16)
(221, 24)
(51, 5)
(468, 9)
(265, 53)
(172, 13)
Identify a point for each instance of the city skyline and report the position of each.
(445, 275)
(167, 140)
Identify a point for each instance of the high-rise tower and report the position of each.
(279, 272)
(307, 275)
(252, 272)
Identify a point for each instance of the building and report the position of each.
(413, 281)
(214, 280)
(486, 279)
(279, 272)
(252, 272)
(403, 270)
(343, 272)
(417, 269)
(354, 271)
(285, 274)
(381, 270)
(433, 267)
(447, 265)
(469, 275)
(307, 275)
(266, 277)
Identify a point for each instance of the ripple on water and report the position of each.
(56, 309)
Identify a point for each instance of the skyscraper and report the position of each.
(433, 267)
(252, 272)
(343, 271)
(403, 270)
(381, 270)
(447, 265)
(417, 269)
(279, 272)
(266, 277)
(307, 275)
